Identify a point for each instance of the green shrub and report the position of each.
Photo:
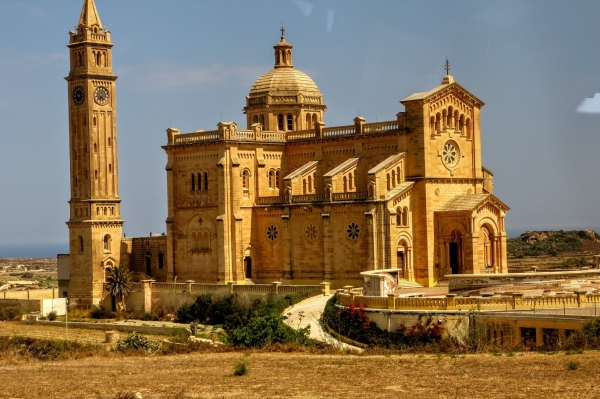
(572, 365)
(101, 313)
(10, 313)
(27, 275)
(228, 312)
(52, 315)
(179, 335)
(197, 311)
(265, 331)
(241, 367)
(136, 342)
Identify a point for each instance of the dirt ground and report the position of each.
(302, 375)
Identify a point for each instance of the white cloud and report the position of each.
(590, 105)
(166, 76)
(304, 6)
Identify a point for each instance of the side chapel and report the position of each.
(286, 198)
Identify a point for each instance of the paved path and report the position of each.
(309, 313)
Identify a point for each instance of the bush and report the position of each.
(241, 367)
(10, 313)
(101, 313)
(27, 275)
(197, 311)
(228, 312)
(265, 331)
(52, 316)
(136, 342)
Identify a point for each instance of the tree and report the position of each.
(117, 285)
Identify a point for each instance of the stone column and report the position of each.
(188, 285)
(326, 288)
(391, 301)
(327, 246)
(147, 304)
(275, 287)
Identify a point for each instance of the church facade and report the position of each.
(286, 198)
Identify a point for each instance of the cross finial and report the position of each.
(282, 32)
(447, 68)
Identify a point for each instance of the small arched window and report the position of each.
(96, 174)
(303, 186)
(280, 122)
(95, 148)
(350, 181)
(388, 182)
(271, 177)
(398, 216)
(277, 174)
(109, 142)
(80, 243)
(290, 122)
(314, 118)
(468, 128)
(405, 216)
(205, 180)
(255, 119)
(310, 184)
(193, 182)
(308, 121)
(199, 181)
(98, 58)
(345, 184)
(262, 121)
(106, 242)
(148, 264)
(95, 121)
(245, 179)
(109, 168)
(393, 178)
(161, 261)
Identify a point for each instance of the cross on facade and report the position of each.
(447, 68)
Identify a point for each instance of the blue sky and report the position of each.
(190, 64)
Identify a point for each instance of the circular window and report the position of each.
(311, 232)
(272, 232)
(450, 154)
(353, 231)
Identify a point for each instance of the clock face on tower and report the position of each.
(78, 95)
(101, 95)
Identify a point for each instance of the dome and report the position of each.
(284, 81)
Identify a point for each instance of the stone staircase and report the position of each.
(402, 283)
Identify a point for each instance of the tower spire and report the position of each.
(89, 15)
(283, 52)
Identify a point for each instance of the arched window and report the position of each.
(280, 122)
(432, 124)
(96, 174)
(345, 184)
(109, 168)
(456, 120)
(255, 118)
(449, 121)
(106, 242)
(350, 181)
(98, 58)
(444, 119)
(308, 121)
(399, 174)
(405, 216)
(461, 123)
(161, 260)
(277, 174)
(393, 178)
(388, 182)
(309, 184)
(271, 177)
(95, 148)
(438, 122)
(193, 182)
(314, 118)
(398, 216)
(199, 181)
(468, 128)
(290, 122)
(246, 182)
(109, 142)
(205, 180)
(303, 186)
(80, 243)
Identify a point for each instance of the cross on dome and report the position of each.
(447, 67)
(282, 33)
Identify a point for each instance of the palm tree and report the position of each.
(117, 285)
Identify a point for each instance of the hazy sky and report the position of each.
(190, 64)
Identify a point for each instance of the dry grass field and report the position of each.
(297, 375)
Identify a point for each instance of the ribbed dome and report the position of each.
(284, 81)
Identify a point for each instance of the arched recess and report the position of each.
(452, 249)
(201, 231)
(488, 247)
(404, 256)
(107, 264)
(249, 262)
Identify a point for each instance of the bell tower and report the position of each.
(95, 224)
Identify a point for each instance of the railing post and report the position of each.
(517, 297)
(579, 297)
(230, 284)
(450, 301)
(391, 301)
(359, 124)
(319, 126)
(275, 287)
(188, 285)
(325, 287)
(147, 289)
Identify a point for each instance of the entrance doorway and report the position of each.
(248, 266)
(400, 259)
(453, 249)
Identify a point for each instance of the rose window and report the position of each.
(311, 232)
(450, 153)
(272, 232)
(353, 231)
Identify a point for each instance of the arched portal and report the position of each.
(248, 263)
(404, 257)
(455, 252)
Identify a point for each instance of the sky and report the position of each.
(190, 64)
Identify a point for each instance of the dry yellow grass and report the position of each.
(301, 375)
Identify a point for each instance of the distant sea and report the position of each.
(33, 250)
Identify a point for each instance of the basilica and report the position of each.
(282, 196)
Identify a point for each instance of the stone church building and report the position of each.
(285, 197)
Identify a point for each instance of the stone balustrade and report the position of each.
(350, 196)
(308, 198)
(270, 200)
